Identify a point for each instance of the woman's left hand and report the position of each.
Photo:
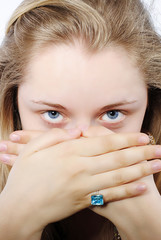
(138, 217)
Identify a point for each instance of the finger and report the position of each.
(24, 136)
(9, 147)
(95, 131)
(8, 159)
(100, 145)
(115, 194)
(122, 192)
(50, 138)
(122, 158)
(125, 175)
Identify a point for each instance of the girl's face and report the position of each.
(66, 87)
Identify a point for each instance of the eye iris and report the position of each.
(53, 114)
(112, 114)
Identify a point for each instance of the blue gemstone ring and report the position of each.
(97, 200)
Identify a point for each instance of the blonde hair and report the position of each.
(37, 23)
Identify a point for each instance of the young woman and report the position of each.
(81, 81)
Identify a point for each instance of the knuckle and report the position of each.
(122, 140)
(147, 152)
(77, 168)
(20, 148)
(67, 148)
(102, 141)
(117, 193)
(72, 171)
(121, 159)
(150, 151)
(119, 178)
(144, 152)
(121, 192)
(11, 148)
(111, 140)
(128, 191)
(118, 141)
(82, 202)
(111, 195)
(144, 169)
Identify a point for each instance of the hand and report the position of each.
(131, 215)
(121, 141)
(69, 166)
(10, 150)
(25, 136)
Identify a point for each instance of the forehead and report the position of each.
(70, 71)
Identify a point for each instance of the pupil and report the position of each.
(113, 114)
(53, 114)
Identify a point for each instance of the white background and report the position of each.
(8, 6)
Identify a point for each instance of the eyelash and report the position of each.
(61, 123)
(119, 112)
(54, 123)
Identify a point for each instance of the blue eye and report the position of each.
(113, 116)
(52, 116)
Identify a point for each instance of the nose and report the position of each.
(91, 128)
(83, 127)
(84, 124)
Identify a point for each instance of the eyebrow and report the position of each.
(110, 106)
(117, 104)
(49, 104)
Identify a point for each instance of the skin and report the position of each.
(53, 79)
(89, 123)
(84, 167)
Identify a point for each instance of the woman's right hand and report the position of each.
(12, 215)
(10, 149)
(50, 183)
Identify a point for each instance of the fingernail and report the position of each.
(156, 165)
(14, 137)
(5, 158)
(3, 147)
(144, 139)
(158, 152)
(141, 187)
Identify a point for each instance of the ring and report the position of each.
(152, 139)
(97, 200)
